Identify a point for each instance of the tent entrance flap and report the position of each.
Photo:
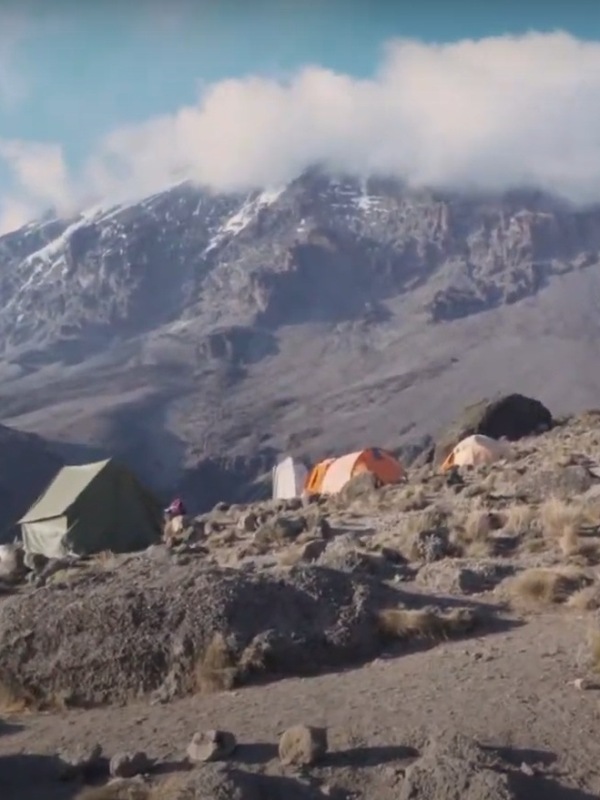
(46, 537)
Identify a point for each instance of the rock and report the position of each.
(85, 762)
(454, 771)
(302, 745)
(222, 781)
(279, 531)
(512, 417)
(221, 507)
(159, 552)
(322, 618)
(392, 555)
(449, 577)
(248, 522)
(358, 488)
(35, 561)
(128, 765)
(292, 503)
(211, 746)
(310, 499)
(311, 550)
(12, 562)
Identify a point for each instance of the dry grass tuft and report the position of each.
(120, 791)
(586, 599)
(172, 788)
(15, 698)
(217, 669)
(519, 520)
(401, 624)
(560, 519)
(546, 587)
(473, 537)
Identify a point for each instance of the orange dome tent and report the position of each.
(330, 475)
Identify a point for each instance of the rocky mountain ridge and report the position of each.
(197, 335)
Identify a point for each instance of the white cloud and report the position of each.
(41, 179)
(494, 113)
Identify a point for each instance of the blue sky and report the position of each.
(90, 66)
(80, 69)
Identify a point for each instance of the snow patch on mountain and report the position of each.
(244, 216)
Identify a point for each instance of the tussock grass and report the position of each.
(172, 788)
(519, 519)
(217, 668)
(398, 624)
(15, 698)
(546, 587)
(473, 537)
(560, 519)
(121, 791)
(586, 599)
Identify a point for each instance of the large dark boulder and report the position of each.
(512, 416)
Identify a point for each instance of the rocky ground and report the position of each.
(441, 637)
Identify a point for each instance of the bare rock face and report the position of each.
(512, 417)
(454, 770)
(207, 364)
(128, 765)
(302, 745)
(151, 625)
(211, 746)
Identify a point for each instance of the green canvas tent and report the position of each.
(91, 508)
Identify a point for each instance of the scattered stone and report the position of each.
(279, 531)
(302, 745)
(474, 578)
(35, 561)
(12, 562)
(85, 762)
(527, 770)
(310, 499)
(310, 550)
(584, 684)
(454, 770)
(248, 522)
(128, 765)
(211, 745)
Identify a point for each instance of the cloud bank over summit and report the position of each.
(491, 114)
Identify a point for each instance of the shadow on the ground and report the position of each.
(8, 726)
(170, 767)
(517, 755)
(33, 777)
(536, 787)
(261, 753)
(369, 756)
(255, 753)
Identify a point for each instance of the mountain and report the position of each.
(197, 335)
(27, 465)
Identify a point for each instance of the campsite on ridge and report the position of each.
(313, 597)
(299, 406)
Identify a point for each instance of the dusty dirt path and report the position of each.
(509, 689)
